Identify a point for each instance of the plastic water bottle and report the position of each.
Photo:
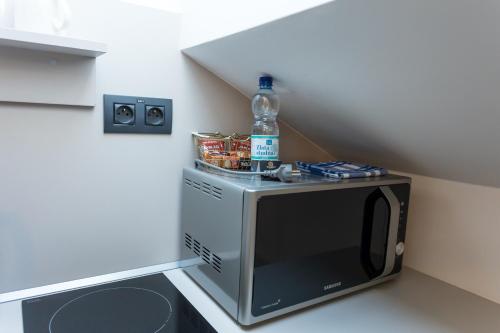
(265, 131)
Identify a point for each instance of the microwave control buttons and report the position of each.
(400, 248)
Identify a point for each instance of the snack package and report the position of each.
(241, 146)
(209, 143)
(229, 152)
(240, 143)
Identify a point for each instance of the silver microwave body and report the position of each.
(223, 218)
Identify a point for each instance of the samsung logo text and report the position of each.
(331, 286)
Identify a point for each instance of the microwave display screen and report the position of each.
(310, 244)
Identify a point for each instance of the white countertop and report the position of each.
(413, 303)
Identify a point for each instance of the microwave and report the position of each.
(263, 248)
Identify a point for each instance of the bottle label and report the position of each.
(265, 147)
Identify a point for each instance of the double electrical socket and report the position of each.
(128, 114)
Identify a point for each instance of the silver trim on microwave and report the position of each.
(392, 238)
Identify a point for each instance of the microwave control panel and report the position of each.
(402, 192)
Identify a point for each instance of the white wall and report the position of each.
(207, 20)
(76, 203)
(453, 234)
(175, 6)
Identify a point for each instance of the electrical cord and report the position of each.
(284, 172)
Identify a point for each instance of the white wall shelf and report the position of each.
(29, 60)
(50, 43)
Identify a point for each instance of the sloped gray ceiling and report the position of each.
(409, 85)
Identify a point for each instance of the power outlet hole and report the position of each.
(155, 115)
(124, 114)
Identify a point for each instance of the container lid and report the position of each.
(266, 82)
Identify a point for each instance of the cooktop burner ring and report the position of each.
(62, 307)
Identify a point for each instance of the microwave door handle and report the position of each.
(392, 237)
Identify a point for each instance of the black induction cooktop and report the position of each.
(149, 304)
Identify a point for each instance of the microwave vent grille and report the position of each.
(206, 255)
(203, 252)
(216, 263)
(206, 188)
(188, 240)
(196, 247)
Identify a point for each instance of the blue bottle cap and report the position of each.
(266, 82)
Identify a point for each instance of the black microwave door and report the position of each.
(310, 244)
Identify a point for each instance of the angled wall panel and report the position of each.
(410, 85)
